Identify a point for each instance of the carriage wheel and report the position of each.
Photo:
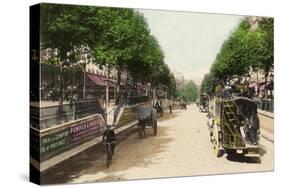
(231, 153)
(155, 128)
(143, 131)
(217, 150)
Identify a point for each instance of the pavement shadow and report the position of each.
(262, 151)
(168, 116)
(243, 159)
(131, 151)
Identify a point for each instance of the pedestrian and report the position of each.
(170, 108)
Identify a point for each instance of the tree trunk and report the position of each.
(119, 71)
(61, 87)
(265, 84)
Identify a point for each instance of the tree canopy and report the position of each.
(115, 37)
(190, 92)
(247, 48)
(207, 85)
(231, 59)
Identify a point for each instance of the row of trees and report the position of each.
(189, 92)
(249, 47)
(115, 38)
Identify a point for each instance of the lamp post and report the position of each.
(85, 58)
(84, 81)
(147, 88)
(107, 94)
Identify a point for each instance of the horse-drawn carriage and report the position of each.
(147, 117)
(234, 127)
(203, 103)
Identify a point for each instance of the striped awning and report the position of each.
(98, 80)
(95, 80)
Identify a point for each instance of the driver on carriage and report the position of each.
(157, 106)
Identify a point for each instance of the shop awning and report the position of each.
(96, 80)
(110, 81)
(100, 80)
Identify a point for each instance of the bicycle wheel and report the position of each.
(140, 131)
(108, 158)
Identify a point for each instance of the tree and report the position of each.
(148, 61)
(124, 30)
(172, 86)
(115, 37)
(231, 59)
(259, 46)
(190, 92)
(246, 48)
(208, 84)
(127, 44)
(66, 29)
(266, 27)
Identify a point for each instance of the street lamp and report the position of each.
(85, 56)
(148, 85)
(107, 94)
(84, 81)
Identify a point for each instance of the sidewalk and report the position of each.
(267, 135)
(74, 151)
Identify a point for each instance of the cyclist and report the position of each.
(109, 137)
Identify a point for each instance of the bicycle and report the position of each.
(109, 153)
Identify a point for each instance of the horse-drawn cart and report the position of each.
(147, 117)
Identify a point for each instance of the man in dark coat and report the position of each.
(109, 137)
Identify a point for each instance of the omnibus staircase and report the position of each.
(232, 124)
(236, 139)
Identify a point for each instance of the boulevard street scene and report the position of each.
(181, 148)
(127, 94)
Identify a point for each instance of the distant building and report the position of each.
(180, 81)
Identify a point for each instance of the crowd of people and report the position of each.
(241, 86)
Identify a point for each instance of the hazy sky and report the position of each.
(190, 41)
